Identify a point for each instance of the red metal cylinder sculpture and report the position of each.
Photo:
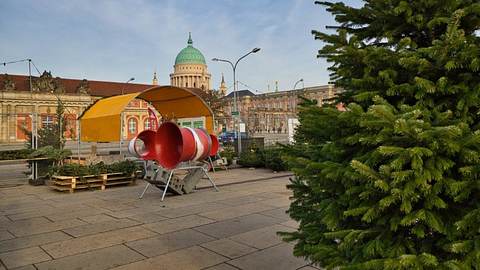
(171, 144)
(150, 149)
(215, 145)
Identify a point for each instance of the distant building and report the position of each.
(267, 114)
(22, 107)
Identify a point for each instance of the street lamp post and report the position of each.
(235, 105)
(125, 85)
(297, 82)
(121, 118)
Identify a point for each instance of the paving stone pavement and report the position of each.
(235, 228)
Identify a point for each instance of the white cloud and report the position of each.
(114, 40)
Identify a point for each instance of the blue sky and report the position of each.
(116, 40)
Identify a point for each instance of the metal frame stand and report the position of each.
(171, 175)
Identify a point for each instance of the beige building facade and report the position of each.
(267, 114)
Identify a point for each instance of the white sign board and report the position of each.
(242, 127)
(196, 122)
(292, 126)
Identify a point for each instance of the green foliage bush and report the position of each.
(128, 167)
(273, 158)
(393, 182)
(228, 153)
(270, 157)
(55, 154)
(15, 154)
(252, 158)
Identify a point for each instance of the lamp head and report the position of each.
(255, 50)
(132, 79)
(215, 59)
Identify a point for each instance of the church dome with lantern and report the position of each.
(190, 68)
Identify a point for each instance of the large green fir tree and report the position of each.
(393, 182)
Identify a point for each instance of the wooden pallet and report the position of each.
(75, 183)
(113, 179)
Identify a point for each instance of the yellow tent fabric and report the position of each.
(101, 122)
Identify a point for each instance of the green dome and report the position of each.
(190, 55)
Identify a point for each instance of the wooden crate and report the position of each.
(73, 183)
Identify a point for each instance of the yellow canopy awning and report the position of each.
(101, 121)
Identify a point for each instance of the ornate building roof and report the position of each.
(190, 54)
(47, 83)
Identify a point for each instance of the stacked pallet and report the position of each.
(113, 179)
(75, 183)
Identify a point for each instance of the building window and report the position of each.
(146, 123)
(132, 127)
(24, 125)
(47, 121)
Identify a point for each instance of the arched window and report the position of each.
(146, 124)
(132, 127)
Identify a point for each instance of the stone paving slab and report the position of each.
(291, 223)
(67, 213)
(235, 226)
(177, 224)
(4, 235)
(31, 222)
(95, 228)
(32, 240)
(263, 237)
(242, 174)
(236, 211)
(228, 248)
(45, 227)
(279, 257)
(192, 258)
(231, 229)
(277, 202)
(148, 217)
(97, 218)
(169, 242)
(222, 266)
(24, 257)
(241, 200)
(96, 241)
(278, 213)
(35, 212)
(191, 209)
(94, 260)
(27, 208)
(26, 267)
(132, 211)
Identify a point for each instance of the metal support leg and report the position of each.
(166, 186)
(145, 190)
(211, 163)
(210, 179)
(154, 176)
